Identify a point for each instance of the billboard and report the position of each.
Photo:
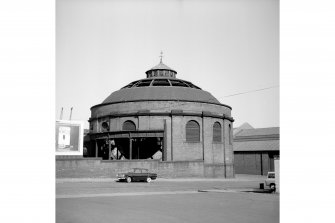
(69, 137)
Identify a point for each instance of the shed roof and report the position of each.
(261, 145)
(257, 132)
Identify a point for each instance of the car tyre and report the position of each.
(148, 179)
(128, 179)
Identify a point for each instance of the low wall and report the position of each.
(97, 168)
(173, 169)
(78, 167)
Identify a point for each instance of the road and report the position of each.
(165, 201)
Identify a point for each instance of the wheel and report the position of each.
(272, 186)
(148, 179)
(128, 179)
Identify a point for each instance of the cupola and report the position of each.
(161, 70)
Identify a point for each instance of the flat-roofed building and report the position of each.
(255, 149)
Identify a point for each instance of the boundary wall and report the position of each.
(78, 167)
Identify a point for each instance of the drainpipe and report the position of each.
(224, 148)
(165, 142)
(171, 137)
(203, 141)
(130, 148)
(109, 148)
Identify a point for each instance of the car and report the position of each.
(271, 180)
(137, 174)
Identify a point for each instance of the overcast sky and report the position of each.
(225, 47)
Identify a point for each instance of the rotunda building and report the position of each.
(167, 119)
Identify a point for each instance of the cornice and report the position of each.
(170, 114)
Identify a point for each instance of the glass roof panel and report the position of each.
(161, 82)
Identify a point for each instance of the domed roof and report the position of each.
(160, 93)
(160, 85)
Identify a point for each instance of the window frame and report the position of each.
(219, 128)
(189, 138)
(129, 121)
(230, 135)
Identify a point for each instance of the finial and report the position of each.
(161, 56)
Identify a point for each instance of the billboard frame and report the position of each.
(80, 139)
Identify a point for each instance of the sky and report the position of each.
(225, 47)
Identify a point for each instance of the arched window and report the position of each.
(216, 132)
(192, 131)
(128, 126)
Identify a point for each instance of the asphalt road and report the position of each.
(111, 186)
(165, 201)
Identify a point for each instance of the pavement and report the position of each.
(238, 177)
(166, 200)
(109, 185)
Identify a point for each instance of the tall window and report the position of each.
(192, 131)
(216, 132)
(128, 126)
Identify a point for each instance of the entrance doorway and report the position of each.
(129, 145)
(140, 147)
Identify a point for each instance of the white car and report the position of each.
(271, 180)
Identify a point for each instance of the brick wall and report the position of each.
(97, 168)
(177, 148)
(181, 169)
(183, 150)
